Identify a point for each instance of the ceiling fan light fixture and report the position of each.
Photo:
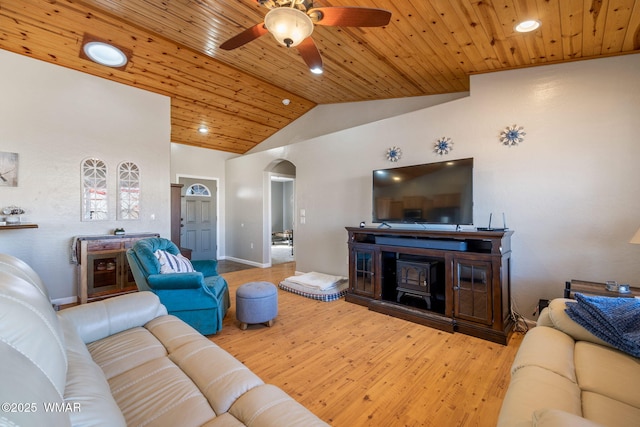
(316, 70)
(288, 26)
(527, 26)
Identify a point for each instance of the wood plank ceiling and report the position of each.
(429, 47)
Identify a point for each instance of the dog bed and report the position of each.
(317, 286)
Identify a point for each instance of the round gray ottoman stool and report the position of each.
(256, 302)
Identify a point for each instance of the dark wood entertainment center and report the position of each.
(450, 280)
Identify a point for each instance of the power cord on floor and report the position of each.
(520, 322)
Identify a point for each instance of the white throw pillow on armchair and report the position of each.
(170, 263)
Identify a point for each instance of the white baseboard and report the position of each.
(244, 261)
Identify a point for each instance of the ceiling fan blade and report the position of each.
(245, 37)
(350, 16)
(310, 53)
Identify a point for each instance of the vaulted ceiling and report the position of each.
(429, 47)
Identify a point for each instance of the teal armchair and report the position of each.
(199, 298)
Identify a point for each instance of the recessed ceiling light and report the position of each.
(527, 26)
(316, 70)
(203, 129)
(105, 54)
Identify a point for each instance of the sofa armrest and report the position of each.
(208, 267)
(561, 321)
(101, 319)
(175, 281)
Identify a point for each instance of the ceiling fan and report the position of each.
(291, 23)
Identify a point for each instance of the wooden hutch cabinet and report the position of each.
(103, 269)
(450, 280)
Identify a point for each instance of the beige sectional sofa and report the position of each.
(121, 361)
(565, 376)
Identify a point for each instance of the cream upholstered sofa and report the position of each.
(563, 376)
(121, 361)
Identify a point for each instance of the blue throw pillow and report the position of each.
(170, 263)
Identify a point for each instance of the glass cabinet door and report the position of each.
(103, 271)
(363, 274)
(472, 295)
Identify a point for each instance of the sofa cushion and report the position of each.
(547, 348)
(608, 372)
(87, 391)
(101, 319)
(225, 378)
(159, 393)
(170, 263)
(564, 323)
(224, 420)
(28, 324)
(608, 412)
(121, 352)
(269, 405)
(557, 418)
(532, 388)
(19, 268)
(172, 332)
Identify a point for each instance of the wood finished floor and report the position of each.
(354, 367)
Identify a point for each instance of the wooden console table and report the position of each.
(103, 269)
(470, 289)
(595, 288)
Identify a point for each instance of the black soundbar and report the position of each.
(447, 245)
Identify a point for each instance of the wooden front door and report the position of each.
(200, 218)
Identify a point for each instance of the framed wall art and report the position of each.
(8, 169)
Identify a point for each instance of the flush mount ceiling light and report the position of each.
(203, 129)
(104, 53)
(527, 26)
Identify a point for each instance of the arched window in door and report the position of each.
(198, 190)
(94, 190)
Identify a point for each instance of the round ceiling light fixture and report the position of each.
(203, 129)
(527, 26)
(105, 54)
(316, 70)
(288, 26)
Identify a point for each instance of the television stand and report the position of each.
(456, 281)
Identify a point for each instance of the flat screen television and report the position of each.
(432, 193)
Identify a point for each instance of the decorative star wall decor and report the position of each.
(443, 146)
(394, 154)
(512, 135)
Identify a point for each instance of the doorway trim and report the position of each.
(217, 180)
(266, 205)
(292, 178)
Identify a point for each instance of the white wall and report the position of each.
(330, 118)
(201, 163)
(570, 191)
(54, 118)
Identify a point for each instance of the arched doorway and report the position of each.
(281, 212)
